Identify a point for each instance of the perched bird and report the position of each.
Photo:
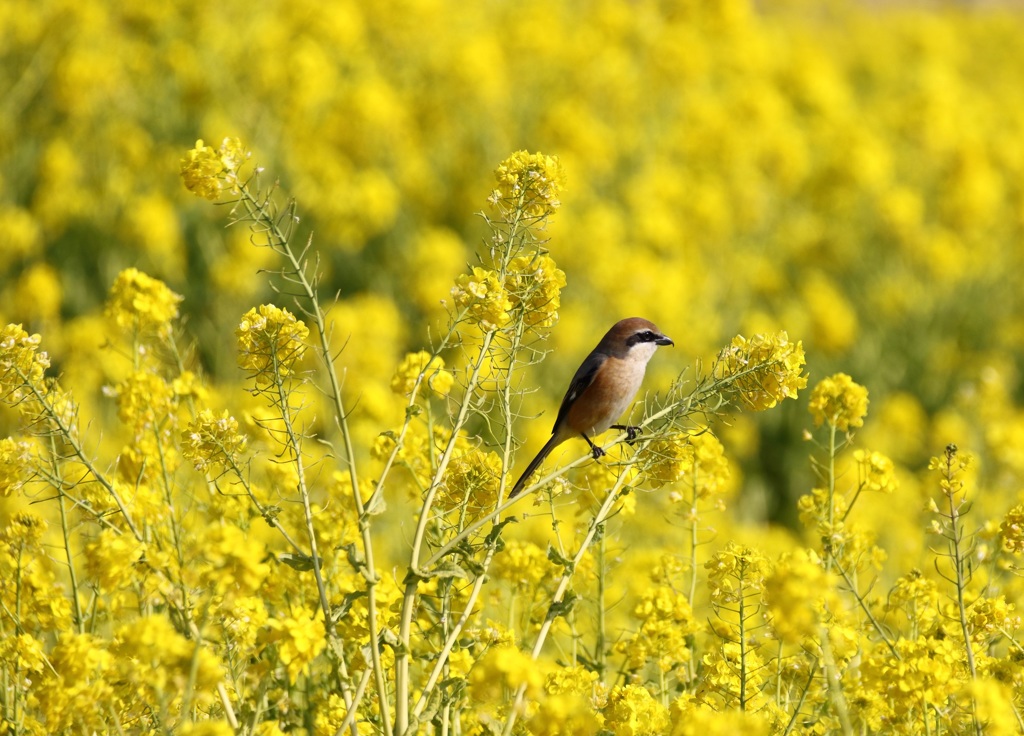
(602, 389)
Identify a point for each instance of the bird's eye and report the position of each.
(648, 336)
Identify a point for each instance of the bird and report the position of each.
(602, 389)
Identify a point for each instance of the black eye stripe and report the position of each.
(644, 336)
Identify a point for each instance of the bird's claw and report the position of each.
(597, 452)
(632, 432)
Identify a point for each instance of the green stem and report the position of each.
(402, 685)
(558, 598)
(280, 243)
(65, 530)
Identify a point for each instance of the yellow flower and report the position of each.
(535, 283)
(504, 668)
(111, 559)
(1012, 529)
(529, 181)
(691, 718)
(19, 232)
(993, 707)
(233, 561)
(952, 468)
(206, 728)
(633, 711)
(38, 293)
(666, 622)
(298, 640)
(921, 674)
(696, 461)
(736, 572)
(875, 472)
(431, 367)
(799, 592)
(78, 692)
(22, 364)
(206, 171)
(577, 680)
(522, 564)
(211, 442)
(15, 457)
(140, 302)
(992, 618)
(473, 478)
(765, 369)
(155, 659)
(564, 715)
(483, 298)
(839, 402)
(25, 530)
(918, 598)
(22, 652)
(144, 401)
(270, 342)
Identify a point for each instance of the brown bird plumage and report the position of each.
(602, 389)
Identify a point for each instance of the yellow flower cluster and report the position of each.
(666, 623)
(22, 364)
(297, 639)
(140, 303)
(633, 711)
(736, 572)
(431, 368)
(764, 369)
(800, 595)
(14, 463)
(1011, 529)
(531, 182)
(919, 674)
(482, 296)
(564, 715)
(523, 565)
(75, 690)
(839, 402)
(875, 472)
(110, 560)
(534, 284)
(690, 718)
(211, 442)
(158, 662)
(504, 668)
(918, 598)
(206, 171)
(270, 343)
(952, 468)
(473, 479)
(991, 619)
(144, 401)
(696, 461)
(418, 453)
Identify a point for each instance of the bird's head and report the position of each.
(634, 335)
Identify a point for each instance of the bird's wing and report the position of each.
(583, 378)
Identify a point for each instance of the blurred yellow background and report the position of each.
(849, 173)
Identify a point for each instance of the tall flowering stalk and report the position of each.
(499, 308)
(271, 342)
(952, 467)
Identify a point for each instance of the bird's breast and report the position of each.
(608, 396)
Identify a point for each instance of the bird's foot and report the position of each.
(631, 431)
(597, 452)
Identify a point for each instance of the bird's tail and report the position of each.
(552, 443)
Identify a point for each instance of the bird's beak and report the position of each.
(664, 340)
